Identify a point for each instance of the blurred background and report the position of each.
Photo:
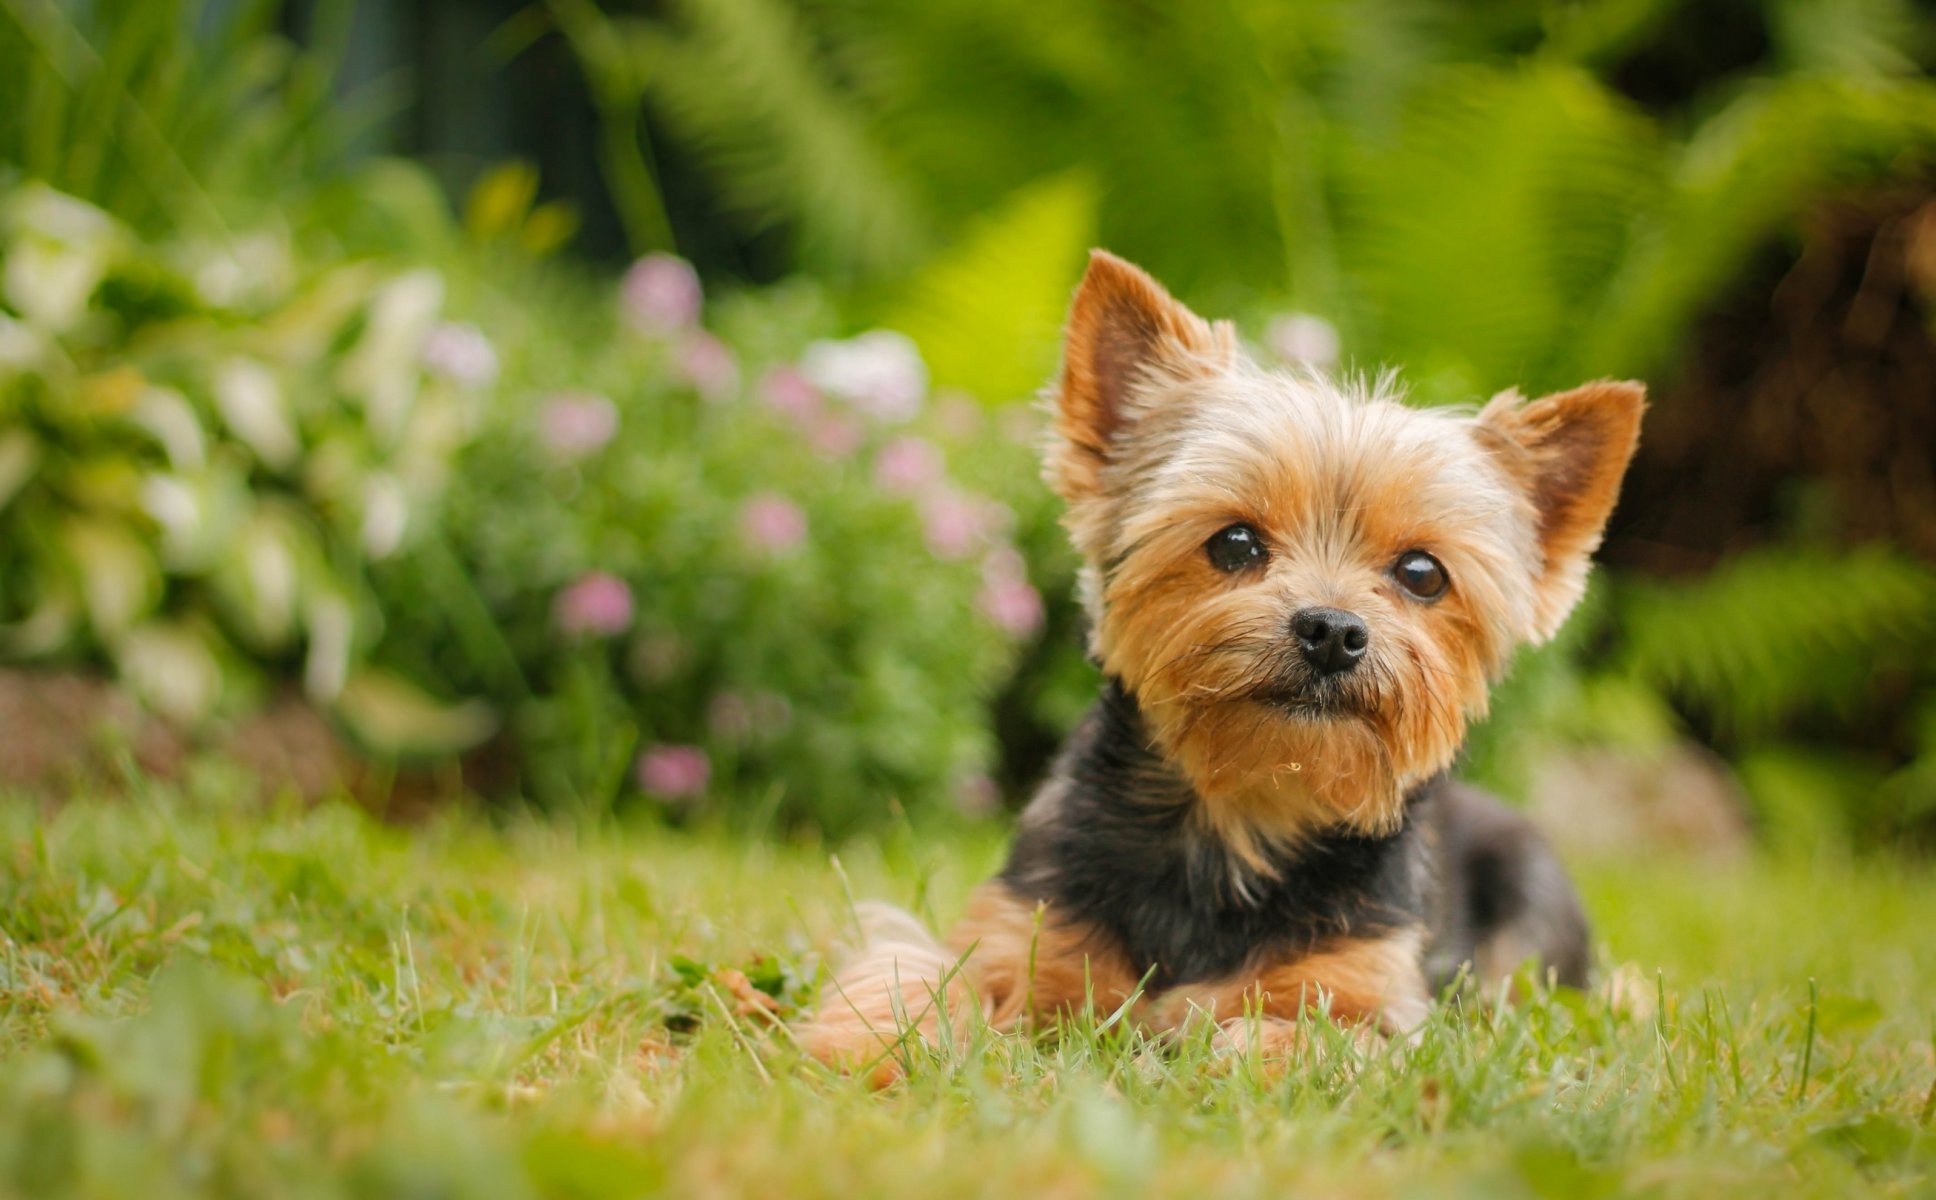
(628, 407)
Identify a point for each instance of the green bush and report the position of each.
(205, 444)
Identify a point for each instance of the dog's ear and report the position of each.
(1567, 453)
(1123, 330)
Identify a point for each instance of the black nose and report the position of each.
(1332, 639)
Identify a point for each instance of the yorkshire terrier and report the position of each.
(1299, 592)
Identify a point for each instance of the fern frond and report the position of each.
(741, 84)
(986, 312)
(1779, 632)
(1748, 172)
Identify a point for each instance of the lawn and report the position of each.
(199, 996)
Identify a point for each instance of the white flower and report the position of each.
(1303, 339)
(880, 373)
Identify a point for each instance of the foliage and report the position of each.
(797, 584)
(204, 999)
(170, 114)
(206, 444)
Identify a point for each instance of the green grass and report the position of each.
(199, 997)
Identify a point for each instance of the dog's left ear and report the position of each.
(1567, 452)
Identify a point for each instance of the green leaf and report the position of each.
(987, 313)
(392, 716)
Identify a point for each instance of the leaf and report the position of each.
(987, 313)
(1778, 631)
(390, 715)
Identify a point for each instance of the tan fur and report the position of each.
(901, 987)
(1017, 965)
(1371, 981)
(1568, 453)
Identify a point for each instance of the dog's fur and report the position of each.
(1232, 831)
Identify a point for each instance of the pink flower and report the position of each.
(773, 523)
(788, 393)
(661, 294)
(1007, 598)
(1013, 605)
(599, 604)
(880, 373)
(835, 436)
(706, 363)
(460, 353)
(1303, 339)
(907, 465)
(673, 772)
(577, 424)
(956, 524)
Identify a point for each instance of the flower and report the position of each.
(880, 373)
(599, 605)
(705, 362)
(1303, 339)
(835, 436)
(1013, 604)
(955, 523)
(1007, 598)
(907, 465)
(788, 393)
(673, 772)
(661, 294)
(772, 522)
(577, 424)
(460, 353)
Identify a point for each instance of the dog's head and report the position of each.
(1308, 588)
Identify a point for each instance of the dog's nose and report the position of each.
(1332, 639)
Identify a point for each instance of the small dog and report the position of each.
(1299, 593)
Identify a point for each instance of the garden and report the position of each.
(516, 518)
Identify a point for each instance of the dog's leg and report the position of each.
(1506, 897)
(901, 989)
(1371, 986)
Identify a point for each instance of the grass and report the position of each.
(201, 997)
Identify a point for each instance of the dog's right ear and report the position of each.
(1124, 331)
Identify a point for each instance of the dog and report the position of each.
(1299, 591)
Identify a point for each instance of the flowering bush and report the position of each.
(701, 566)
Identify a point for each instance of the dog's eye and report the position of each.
(1420, 574)
(1234, 547)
